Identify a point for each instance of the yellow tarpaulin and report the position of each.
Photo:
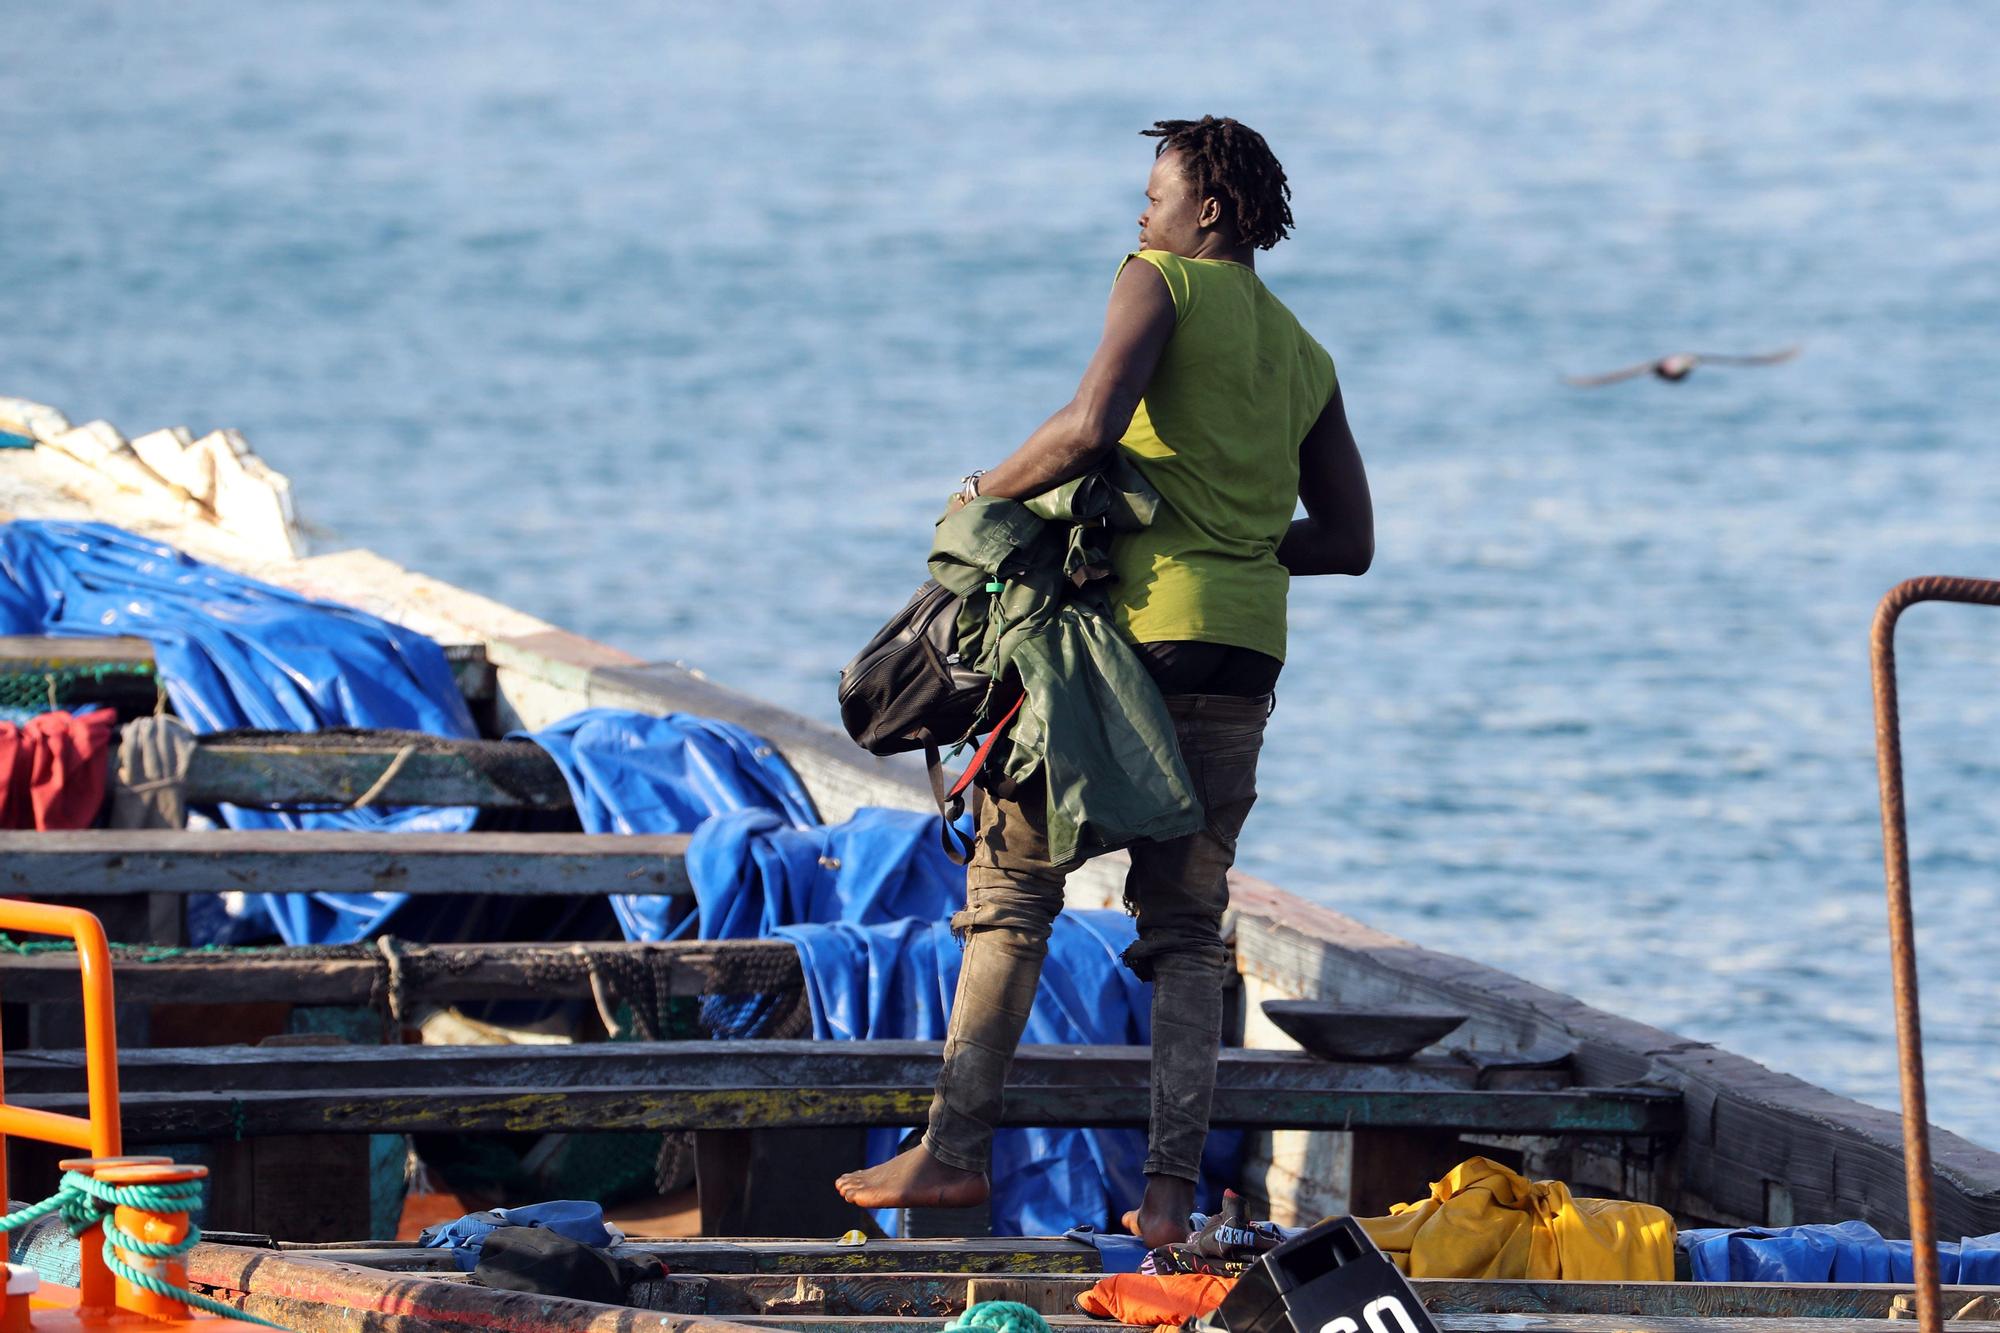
(1484, 1221)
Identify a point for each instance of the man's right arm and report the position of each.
(1337, 535)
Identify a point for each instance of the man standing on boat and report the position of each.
(1232, 412)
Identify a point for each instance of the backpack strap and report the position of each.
(951, 799)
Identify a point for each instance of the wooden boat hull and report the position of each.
(1715, 1138)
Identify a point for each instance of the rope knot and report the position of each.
(84, 1202)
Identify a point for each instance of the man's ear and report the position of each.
(1211, 212)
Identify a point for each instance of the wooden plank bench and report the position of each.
(273, 1282)
(470, 668)
(835, 1293)
(717, 1275)
(856, 1291)
(729, 1065)
(96, 863)
(282, 769)
(175, 1116)
(731, 1086)
(355, 974)
(712, 1255)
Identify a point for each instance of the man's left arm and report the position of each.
(1080, 435)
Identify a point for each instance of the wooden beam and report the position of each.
(28, 652)
(440, 973)
(1447, 1323)
(279, 769)
(92, 863)
(456, 1108)
(475, 675)
(998, 1254)
(310, 1295)
(726, 1277)
(1675, 1323)
(50, 652)
(1051, 1293)
(809, 1323)
(167, 1116)
(719, 1065)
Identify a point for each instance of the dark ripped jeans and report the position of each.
(1178, 890)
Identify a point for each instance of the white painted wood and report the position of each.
(91, 443)
(369, 582)
(167, 478)
(37, 421)
(1300, 1176)
(251, 498)
(166, 452)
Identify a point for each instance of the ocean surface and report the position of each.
(675, 324)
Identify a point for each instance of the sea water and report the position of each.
(675, 324)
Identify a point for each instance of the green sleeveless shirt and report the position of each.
(1217, 434)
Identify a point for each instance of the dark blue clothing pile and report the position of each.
(579, 1219)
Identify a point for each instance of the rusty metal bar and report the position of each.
(1902, 926)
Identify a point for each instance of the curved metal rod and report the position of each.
(99, 1134)
(1902, 927)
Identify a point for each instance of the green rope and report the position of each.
(85, 1202)
(999, 1317)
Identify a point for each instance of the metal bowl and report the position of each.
(1333, 1032)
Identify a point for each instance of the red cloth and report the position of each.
(1139, 1298)
(53, 769)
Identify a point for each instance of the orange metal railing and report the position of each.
(101, 1298)
(99, 1135)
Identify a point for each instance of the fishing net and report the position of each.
(43, 689)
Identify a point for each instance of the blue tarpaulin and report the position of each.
(1844, 1252)
(896, 980)
(752, 874)
(867, 903)
(234, 652)
(634, 773)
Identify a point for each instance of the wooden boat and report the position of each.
(1532, 1077)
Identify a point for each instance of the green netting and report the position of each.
(59, 686)
(120, 953)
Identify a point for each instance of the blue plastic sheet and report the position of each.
(634, 773)
(752, 873)
(1844, 1252)
(578, 1219)
(867, 905)
(1117, 1252)
(896, 980)
(234, 652)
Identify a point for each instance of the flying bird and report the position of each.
(1680, 365)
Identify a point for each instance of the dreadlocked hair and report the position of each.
(1227, 160)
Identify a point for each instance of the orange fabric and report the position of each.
(53, 770)
(1139, 1298)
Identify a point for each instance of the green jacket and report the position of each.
(1093, 721)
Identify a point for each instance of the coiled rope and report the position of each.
(84, 1202)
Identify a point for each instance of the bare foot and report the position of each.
(914, 1179)
(1162, 1216)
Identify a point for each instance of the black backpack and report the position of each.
(908, 689)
